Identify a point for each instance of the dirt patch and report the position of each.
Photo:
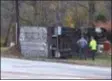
(12, 53)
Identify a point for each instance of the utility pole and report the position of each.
(17, 24)
(57, 54)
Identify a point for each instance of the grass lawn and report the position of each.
(100, 60)
(3, 49)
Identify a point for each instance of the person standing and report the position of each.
(82, 43)
(93, 47)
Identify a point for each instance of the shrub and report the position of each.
(100, 17)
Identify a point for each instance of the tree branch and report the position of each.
(26, 20)
(83, 6)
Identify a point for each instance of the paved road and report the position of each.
(24, 69)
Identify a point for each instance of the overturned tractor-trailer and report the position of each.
(63, 44)
(55, 42)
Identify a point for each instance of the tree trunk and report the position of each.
(77, 18)
(6, 39)
(35, 12)
(91, 12)
(8, 31)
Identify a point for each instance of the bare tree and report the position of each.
(108, 6)
(10, 17)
